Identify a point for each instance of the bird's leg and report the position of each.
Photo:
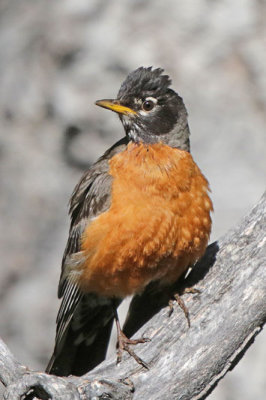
(177, 297)
(123, 343)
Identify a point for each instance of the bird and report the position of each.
(140, 214)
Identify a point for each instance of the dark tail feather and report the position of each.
(79, 359)
(85, 342)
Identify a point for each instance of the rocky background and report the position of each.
(56, 59)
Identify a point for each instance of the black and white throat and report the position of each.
(137, 131)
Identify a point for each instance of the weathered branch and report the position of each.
(185, 363)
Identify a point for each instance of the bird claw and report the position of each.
(123, 344)
(177, 297)
(191, 290)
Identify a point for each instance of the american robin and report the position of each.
(141, 213)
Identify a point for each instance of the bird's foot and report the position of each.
(123, 344)
(177, 297)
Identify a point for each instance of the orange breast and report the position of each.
(157, 225)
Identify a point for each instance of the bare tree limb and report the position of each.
(185, 363)
(10, 368)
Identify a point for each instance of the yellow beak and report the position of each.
(114, 105)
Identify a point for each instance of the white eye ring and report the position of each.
(148, 104)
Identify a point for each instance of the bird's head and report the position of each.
(150, 111)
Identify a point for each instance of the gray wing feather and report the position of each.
(90, 198)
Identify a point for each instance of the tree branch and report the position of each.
(185, 363)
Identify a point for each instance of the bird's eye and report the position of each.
(148, 105)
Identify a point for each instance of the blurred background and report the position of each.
(56, 59)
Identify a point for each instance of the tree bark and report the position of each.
(184, 363)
